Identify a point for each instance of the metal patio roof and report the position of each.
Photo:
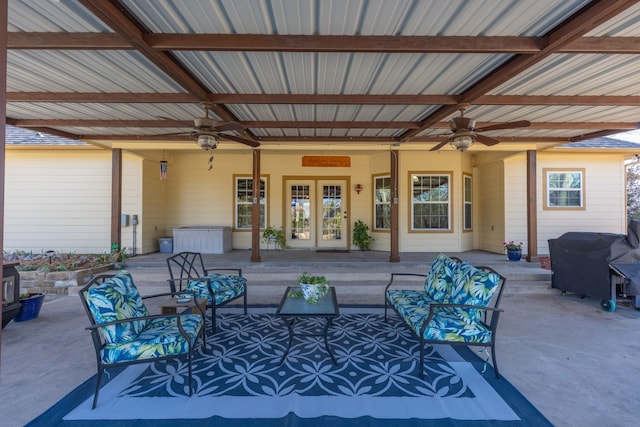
(324, 71)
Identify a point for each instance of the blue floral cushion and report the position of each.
(411, 305)
(439, 282)
(446, 324)
(225, 288)
(160, 338)
(117, 299)
(474, 287)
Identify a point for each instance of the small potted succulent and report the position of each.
(313, 288)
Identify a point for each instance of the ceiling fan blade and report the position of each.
(239, 139)
(486, 140)
(440, 145)
(505, 125)
(175, 133)
(226, 126)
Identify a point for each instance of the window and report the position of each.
(430, 202)
(468, 202)
(382, 201)
(564, 189)
(244, 202)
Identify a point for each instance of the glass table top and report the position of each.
(297, 306)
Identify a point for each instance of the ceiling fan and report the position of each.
(465, 132)
(207, 131)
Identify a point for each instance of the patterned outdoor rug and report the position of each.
(239, 382)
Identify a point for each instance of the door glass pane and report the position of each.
(300, 208)
(331, 212)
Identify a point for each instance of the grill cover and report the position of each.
(580, 261)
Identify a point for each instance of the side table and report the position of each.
(171, 305)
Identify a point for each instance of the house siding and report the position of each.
(489, 201)
(60, 199)
(57, 200)
(605, 197)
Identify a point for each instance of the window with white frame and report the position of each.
(244, 202)
(468, 202)
(430, 202)
(564, 189)
(382, 201)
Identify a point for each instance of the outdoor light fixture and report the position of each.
(462, 141)
(358, 188)
(207, 142)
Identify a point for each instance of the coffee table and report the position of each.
(292, 308)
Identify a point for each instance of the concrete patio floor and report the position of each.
(575, 362)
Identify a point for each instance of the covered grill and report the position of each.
(599, 265)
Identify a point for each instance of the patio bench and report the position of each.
(459, 305)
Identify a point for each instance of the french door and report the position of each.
(316, 216)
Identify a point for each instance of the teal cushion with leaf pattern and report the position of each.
(225, 287)
(439, 282)
(117, 299)
(474, 287)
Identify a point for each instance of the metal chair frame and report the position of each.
(99, 343)
(186, 267)
(490, 317)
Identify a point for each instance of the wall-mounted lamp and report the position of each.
(358, 188)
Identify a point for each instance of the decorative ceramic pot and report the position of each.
(312, 293)
(514, 254)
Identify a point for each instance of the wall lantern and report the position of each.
(358, 188)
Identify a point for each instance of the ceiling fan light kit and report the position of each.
(465, 132)
(207, 142)
(462, 142)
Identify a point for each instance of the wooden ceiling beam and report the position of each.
(129, 30)
(102, 97)
(342, 43)
(32, 123)
(583, 21)
(319, 43)
(249, 98)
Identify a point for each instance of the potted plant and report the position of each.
(313, 288)
(361, 236)
(118, 256)
(275, 235)
(514, 250)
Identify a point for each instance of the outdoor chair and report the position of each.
(125, 333)
(187, 272)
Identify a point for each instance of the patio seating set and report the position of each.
(459, 306)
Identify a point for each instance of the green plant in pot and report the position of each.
(118, 256)
(312, 288)
(361, 236)
(272, 234)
